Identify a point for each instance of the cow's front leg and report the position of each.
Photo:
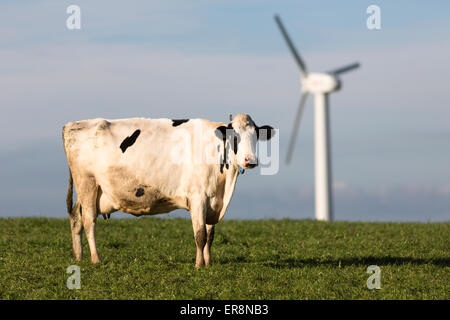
(198, 216)
(209, 241)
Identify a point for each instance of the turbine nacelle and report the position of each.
(320, 83)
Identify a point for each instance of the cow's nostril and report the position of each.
(250, 160)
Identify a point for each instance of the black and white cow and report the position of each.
(150, 166)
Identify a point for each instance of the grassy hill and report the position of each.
(150, 258)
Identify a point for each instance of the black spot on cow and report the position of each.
(129, 141)
(140, 192)
(176, 123)
(222, 164)
(221, 132)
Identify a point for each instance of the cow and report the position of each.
(144, 166)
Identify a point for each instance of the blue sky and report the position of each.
(390, 122)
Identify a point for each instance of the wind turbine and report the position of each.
(320, 85)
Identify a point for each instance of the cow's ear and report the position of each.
(265, 133)
(221, 132)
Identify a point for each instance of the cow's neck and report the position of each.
(229, 184)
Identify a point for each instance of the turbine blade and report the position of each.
(294, 52)
(345, 68)
(296, 126)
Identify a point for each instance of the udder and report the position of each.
(104, 204)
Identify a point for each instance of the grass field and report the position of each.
(150, 258)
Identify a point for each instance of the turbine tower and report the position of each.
(320, 85)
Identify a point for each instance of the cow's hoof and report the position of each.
(96, 260)
(78, 257)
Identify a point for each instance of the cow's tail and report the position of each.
(69, 197)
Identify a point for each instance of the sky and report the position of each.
(390, 122)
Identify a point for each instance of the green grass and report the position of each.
(150, 258)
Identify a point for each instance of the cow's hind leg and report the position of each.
(76, 225)
(198, 216)
(209, 241)
(88, 198)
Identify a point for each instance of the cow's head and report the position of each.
(240, 137)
